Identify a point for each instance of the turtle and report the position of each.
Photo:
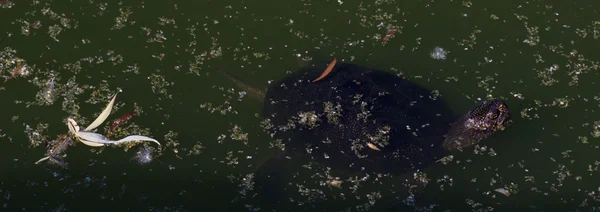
(359, 119)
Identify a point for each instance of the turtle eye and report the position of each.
(494, 114)
(503, 108)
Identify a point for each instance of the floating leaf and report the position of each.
(327, 70)
(102, 115)
(72, 124)
(373, 147)
(503, 191)
(91, 137)
(92, 144)
(138, 138)
(99, 139)
(43, 159)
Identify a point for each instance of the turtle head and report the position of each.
(490, 115)
(477, 124)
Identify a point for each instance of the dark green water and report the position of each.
(165, 57)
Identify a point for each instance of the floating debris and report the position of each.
(503, 191)
(596, 132)
(145, 155)
(310, 119)
(438, 53)
(120, 122)
(391, 30)
(373, 147)
(122, 19)
(48, 93)
(36, 136)
(54, 31)
(548, 75)
(12, 65)
(237, 134)
(160, 84)
(335, 183)
(196, 149)
(95, 139)
(327, 70)
(55, 153)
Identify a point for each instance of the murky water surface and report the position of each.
(166, 59)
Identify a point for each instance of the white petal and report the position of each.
(92, 137)
(72, 124)
(102, 115)
(95, 138)
(138, 138)
(373, 147)
(503, 191)
(92, 144)
(43, 159)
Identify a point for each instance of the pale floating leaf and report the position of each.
(138, 138)
(95, 138)
(102, 115)
(503, 191)
(373, 147)
(91, 143)
(92, 137)
(43, 159)
(72, 124)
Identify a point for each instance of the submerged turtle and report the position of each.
(366, 120)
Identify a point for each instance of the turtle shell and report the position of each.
(357, 118)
